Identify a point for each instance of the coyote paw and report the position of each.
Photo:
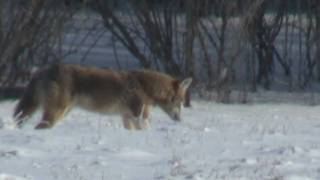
(44, 125)
(144, 123)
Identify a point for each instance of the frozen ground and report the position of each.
(271, 141)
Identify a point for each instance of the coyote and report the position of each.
(59, 87)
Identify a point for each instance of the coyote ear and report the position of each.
(185, 83)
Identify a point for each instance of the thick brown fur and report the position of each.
(131, 94)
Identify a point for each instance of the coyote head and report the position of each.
(172, 105)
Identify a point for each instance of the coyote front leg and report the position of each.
(132, 122)
(128, 122)
(144, 117)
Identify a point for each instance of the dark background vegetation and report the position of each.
(224, 45)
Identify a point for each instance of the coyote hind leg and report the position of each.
(50, 118)
(52, 115)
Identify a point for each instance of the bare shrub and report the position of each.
(29, 36)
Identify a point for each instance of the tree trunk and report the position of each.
(191, 22)
(317, 38)
(1, 33)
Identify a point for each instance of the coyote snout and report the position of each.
(58, 88)
(175, 114)
(173, 107)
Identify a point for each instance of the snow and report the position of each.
(214, 141)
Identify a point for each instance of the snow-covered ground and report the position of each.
(272, 141)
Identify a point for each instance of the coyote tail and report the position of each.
(27, 104)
